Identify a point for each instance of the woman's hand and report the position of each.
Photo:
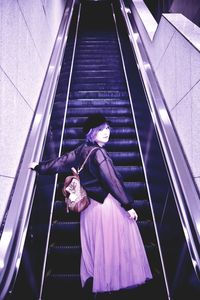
(132, 214)
(32, 165)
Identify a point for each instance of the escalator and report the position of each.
(96, 66)
(98, 84)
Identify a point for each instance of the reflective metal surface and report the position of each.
(187, 197)
(174, 196)
(17, 218)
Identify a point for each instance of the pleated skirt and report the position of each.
(113, 252)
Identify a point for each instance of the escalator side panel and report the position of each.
(181, 276)
(28, 282)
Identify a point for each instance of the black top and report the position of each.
(98, 177)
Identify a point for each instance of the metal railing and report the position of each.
(186, 193)
(18, 215)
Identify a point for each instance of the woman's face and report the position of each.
(103, 135)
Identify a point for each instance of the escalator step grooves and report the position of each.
(98, 85)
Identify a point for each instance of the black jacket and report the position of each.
(98, 177)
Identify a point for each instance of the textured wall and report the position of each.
(174, 51)
(28, 31)
(178, 70)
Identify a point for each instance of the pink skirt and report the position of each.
(113, 252)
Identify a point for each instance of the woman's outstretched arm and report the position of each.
(60, 164)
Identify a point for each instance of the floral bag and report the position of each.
(76, 198)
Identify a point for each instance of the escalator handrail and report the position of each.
(79, 6)
(18, 214)
(186, 193)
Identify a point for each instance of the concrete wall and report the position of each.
(28, 32)
(173, 47)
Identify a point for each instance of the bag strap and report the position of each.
(83, 164)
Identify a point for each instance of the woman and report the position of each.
(113, 254)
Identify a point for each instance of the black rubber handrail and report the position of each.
(186, 193)
(17, 217)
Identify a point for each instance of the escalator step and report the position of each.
(137, 190)
(64, 285)
(94, 50)
(98, 94)
(76, 132)
(64, 259)
(114, 145)
(68, 233)
(98, 79)
(141, 206)
(102, 102)
(116, 111)
(99, 61)
(101, 73)
(100, 45)
(97, 85)
(125, 158)
(105, 86)
(117, 122)
(131, 173)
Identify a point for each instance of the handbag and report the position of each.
(76, 198)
